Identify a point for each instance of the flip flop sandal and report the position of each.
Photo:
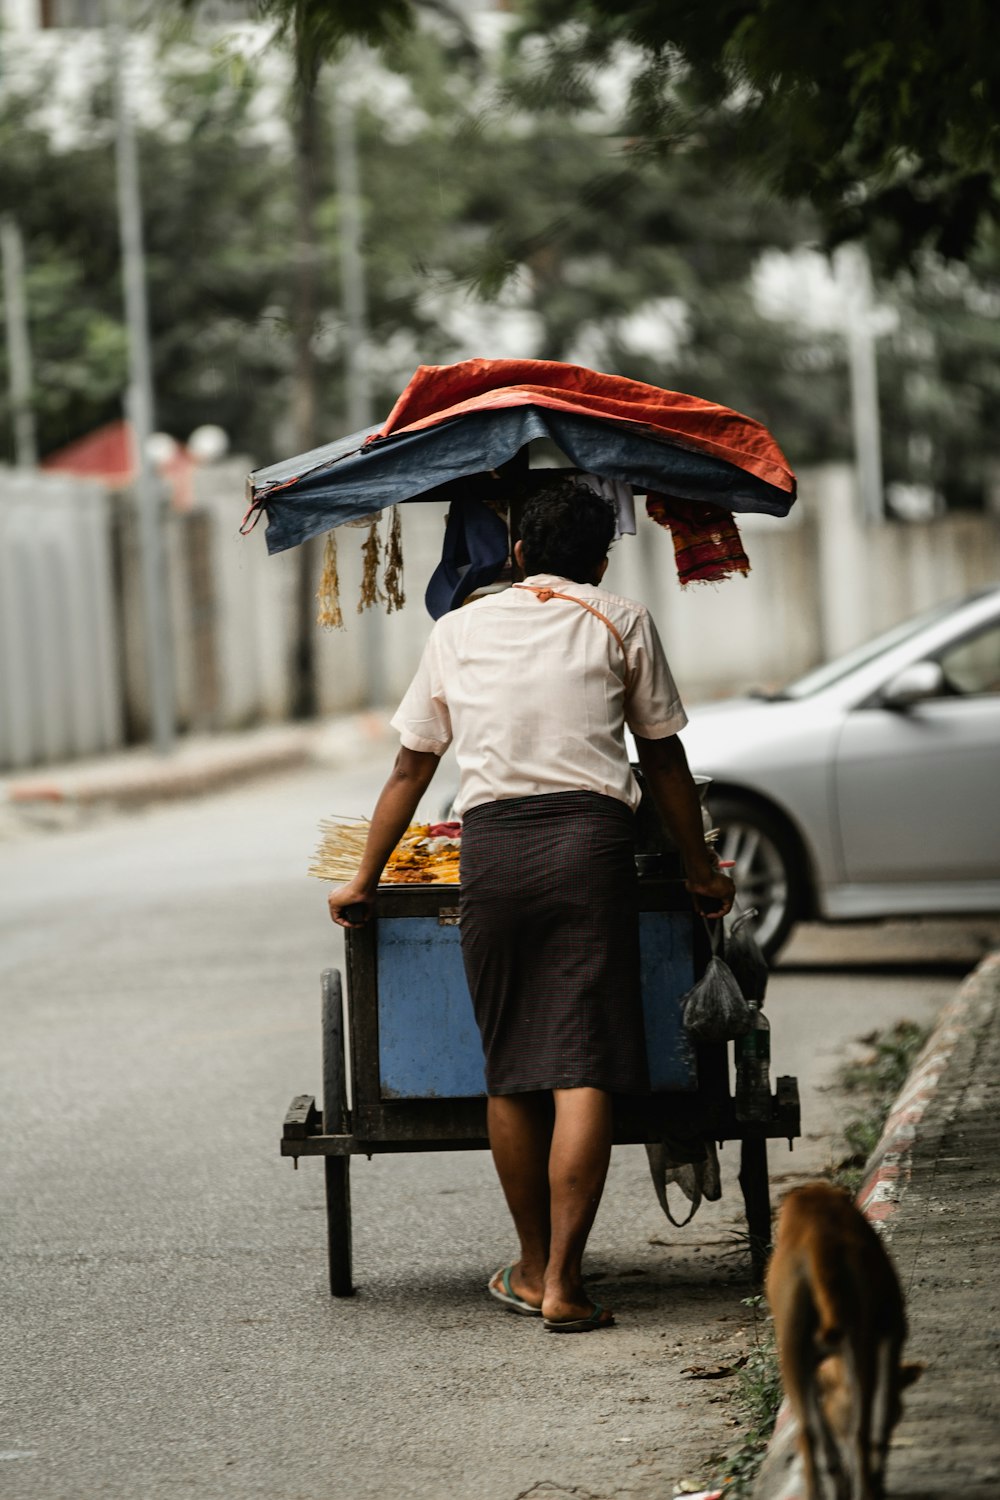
(598, 1318)
(506, 1294)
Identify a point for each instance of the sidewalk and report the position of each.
(945, 1238)
(934, 1188)
(61, 795)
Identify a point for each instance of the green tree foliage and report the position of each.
(601, 232)
(886, 118)
(596, 253)
(319, 31)
(316, 32)
(940, 377)
(605, 242)
(217, 226)
(718, 156)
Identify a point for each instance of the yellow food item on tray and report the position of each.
(425, 855)
(423, 858)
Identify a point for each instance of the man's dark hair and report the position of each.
(567, 528)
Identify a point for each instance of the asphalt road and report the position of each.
(164, 1316)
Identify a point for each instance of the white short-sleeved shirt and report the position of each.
(533, 693)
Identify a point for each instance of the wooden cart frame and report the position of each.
(360, 1121)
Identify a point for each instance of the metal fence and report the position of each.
(73, 661)
(60, 688)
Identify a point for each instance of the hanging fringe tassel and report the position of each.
(328, 593)
(392, 579)
(370, 593)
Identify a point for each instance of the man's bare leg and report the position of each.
(578, 1166)
(520, 1129)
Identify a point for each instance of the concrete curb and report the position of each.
(890, 1164)
(59, 796)
(888, 1173)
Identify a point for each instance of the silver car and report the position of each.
(871, 786)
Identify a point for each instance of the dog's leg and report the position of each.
(861, 1361)
(834, 1399)
(795, 1319)
(835, 1467)
(885, 1409)
(823, 1473)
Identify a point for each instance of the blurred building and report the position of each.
(108, 455)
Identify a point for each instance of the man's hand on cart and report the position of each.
(352, 905)
(713, 895)
(408, 780)
(668, 776)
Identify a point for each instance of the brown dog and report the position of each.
(840, 1326)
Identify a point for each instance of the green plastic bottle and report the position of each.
(753, 1069)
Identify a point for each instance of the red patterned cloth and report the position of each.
(707, 546)
(437, 393)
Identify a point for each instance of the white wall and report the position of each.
(722, 638)
(60, 693)
(345, 655)
(253, 603)
(72, 659)
(255, 597)
(821, 581)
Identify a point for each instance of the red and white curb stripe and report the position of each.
(888, 1172)
(891, 1162)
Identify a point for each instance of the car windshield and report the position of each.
(833, 671)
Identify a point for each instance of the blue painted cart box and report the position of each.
(428, 1043)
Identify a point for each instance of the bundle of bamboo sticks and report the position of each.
(338, 853)
(417, 859)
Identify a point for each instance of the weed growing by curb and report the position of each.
(758, 1394)
(875, 1082)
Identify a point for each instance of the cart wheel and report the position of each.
(337, 1168)
(757, 1200)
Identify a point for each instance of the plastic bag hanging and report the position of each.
(714, 1009)
(745, 957)
(693, 1167)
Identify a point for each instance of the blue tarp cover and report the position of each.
(307, 495)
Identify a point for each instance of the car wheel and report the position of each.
(765, 867)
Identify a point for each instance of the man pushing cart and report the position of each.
(534, 686)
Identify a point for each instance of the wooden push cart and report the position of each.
(411, 1078)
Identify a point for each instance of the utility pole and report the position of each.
(354, 298)
(18, 343)
(305, 146)
(354, 305)
(159, 656)
(854, 273)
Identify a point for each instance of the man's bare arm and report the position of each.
(408, 780)
(668, 776)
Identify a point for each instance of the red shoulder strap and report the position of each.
(544, 595)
